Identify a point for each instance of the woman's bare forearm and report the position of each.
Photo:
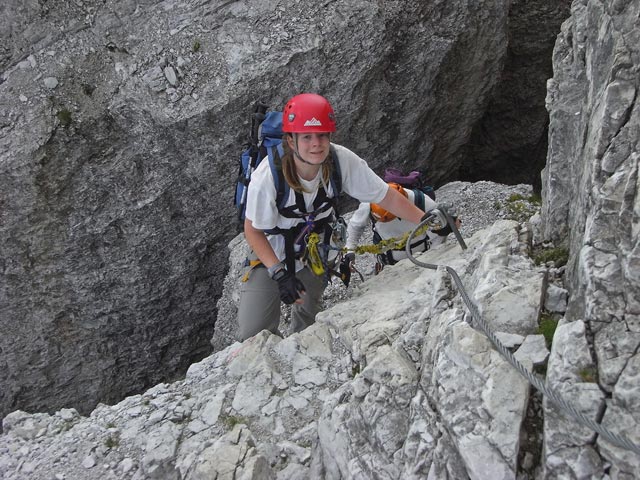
(258, 242)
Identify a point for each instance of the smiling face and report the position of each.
(311, 147)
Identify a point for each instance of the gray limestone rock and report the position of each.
(568, 445)
(115, 232)
(117, 183)
(591, 204)
(556, 299)
(533, 349)
(391, 380)
(509, 143)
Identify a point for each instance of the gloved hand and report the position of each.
(443, 232)
(435, 218)
(345, 267)
(349, 259)
(290, 287)
(446, 229)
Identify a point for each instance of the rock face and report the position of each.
(509, 144)
(119, 123)
(392, 382)
(592, 206)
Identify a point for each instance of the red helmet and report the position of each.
(308, 113)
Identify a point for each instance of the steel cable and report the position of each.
(614, 438)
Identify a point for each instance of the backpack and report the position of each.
(264, 136)
(265, 140)
(413, 181)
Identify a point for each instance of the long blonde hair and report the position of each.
(289, 167)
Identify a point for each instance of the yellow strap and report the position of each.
(395, 243)
(252, 264)
(313, 254)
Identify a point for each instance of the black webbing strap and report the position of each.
(289, 250)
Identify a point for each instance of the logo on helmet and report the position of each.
(291, 117)
(314, 122)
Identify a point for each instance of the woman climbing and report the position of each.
(278, 233)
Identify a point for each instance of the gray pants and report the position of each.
(260, 303)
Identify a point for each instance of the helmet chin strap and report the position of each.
(297, 154)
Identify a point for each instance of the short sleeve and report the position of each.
(261, 199)
(358, 180)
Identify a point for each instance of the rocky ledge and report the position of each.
(392, 381)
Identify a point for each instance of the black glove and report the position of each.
(290, 287)
(345, 268)
(446, 230)
(349, 259)
(443, 232)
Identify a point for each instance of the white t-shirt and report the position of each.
(395, 228)
(358, 181)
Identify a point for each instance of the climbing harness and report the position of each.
(614, 438)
